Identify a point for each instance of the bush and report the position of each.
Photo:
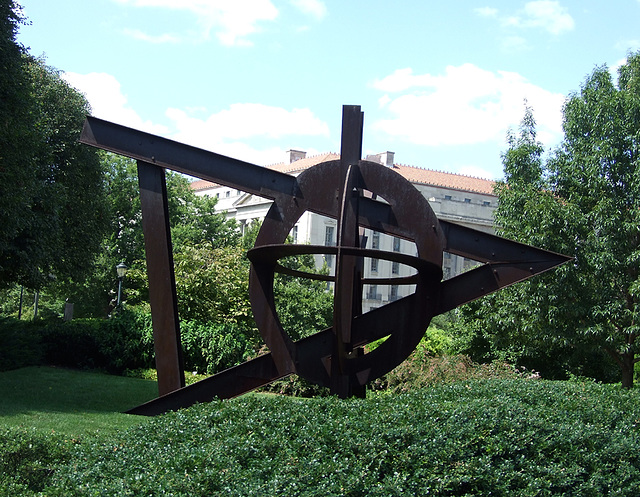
(296, 386)
(29, 458)
(421, 370)
(214, 348)
(498, 437)
(20, 344)
(123, 342)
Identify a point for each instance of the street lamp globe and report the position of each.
(121, 269)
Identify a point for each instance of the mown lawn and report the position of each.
(72, 403)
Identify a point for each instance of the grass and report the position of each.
(71, 403)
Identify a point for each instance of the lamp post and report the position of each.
(121, 269)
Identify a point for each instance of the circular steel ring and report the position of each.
(414, 220)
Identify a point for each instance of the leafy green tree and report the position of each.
(213, 285)
(585, 202)
(532, 323)
(51, 193)
(56, 224)
(16, 137)
(17, 174)
(304, 306)
(193, 222)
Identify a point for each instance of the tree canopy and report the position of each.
(51, 189)
(584, 201)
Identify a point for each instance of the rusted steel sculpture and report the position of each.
(358, 194)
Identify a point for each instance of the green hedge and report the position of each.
(20, 344)
(498, 437)
(28, 459)
(123, 342)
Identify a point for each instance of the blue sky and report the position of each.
(440, 82)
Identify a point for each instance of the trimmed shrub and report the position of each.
(28, 459)
(20, 344)
(421, 370)
(499, 437)
(122, 342)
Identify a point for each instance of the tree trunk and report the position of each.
(627, 369)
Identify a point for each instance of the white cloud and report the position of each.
(543, 14)
(314, 8)
(548, 15)
(247, 120)
(104, 93)
(486, 11)
(465, 105)
(140, 35)
(232, 21)
(514, 44)
(230, 131)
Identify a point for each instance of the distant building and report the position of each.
(457, 198)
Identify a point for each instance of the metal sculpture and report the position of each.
(358, 194)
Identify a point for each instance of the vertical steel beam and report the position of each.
(162, 285)
(348, 287)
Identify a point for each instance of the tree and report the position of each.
(67, 216)
(51, 194)
(16, 135)
(585, 202)
(194, 223)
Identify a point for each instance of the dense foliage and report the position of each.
(499, 437)
(118, 345)
(51, 193)
(584, 201)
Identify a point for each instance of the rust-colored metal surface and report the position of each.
(357, 194)
(162, 287)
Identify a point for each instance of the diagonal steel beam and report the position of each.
(186, 159)
(365, 329)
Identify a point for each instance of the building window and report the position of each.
(328, 236)
(395, 267)
(374, 265)
(467, 200)
(396, 244)
(375, 240)
(447, 197)
(328, 258)
(227, 193)
(294, 234)
(393, 293)
(372, 293)
(486, 203)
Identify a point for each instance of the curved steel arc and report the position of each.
(270, 254)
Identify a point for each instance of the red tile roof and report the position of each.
(445, 180)
(412, 174)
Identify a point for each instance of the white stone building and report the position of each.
(457, 198)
